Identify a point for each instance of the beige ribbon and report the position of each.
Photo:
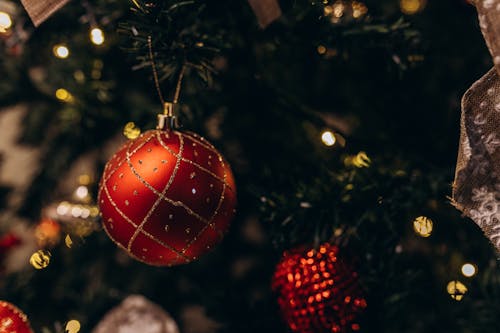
(40, 10)
(267, 11)
(476, 189)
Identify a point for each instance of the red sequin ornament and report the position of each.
(167, 197)
(318, 291)
(13, 320)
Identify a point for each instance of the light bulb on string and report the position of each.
(97, 36)
(61, 51)
(5, 21)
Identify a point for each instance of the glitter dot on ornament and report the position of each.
(12, 319)
(159, 177)
(318, 291)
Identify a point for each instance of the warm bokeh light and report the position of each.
(73, 326)
(469, 270)
(423, 226)
(328, 10)
(97, 36)
(84, 179)
(328, 138)
(410, 7)
(5, 21)
(338, 9)
(321, 49)
(64, 95)
(40, 259)
(359, 9)
(81, 192)
(63, 208)
(47, 232)
(68, 241)
(456, 289)
(131, 131)
(61, 51)
(361, 160)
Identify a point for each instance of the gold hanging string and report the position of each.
(179, 84)
(167, 106)
(155, 71)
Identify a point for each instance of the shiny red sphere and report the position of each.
(13, 320)
(318, 291)
(167, 197)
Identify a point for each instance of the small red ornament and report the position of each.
(167, 197)
(7, 242)
(318, 291)
(13, 320)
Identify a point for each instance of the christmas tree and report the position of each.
(205, 166)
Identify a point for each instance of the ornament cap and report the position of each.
(167, 121)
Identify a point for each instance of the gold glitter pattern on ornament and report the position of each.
(8, 324)
(160, 197)
(40, 259)
(116, 163)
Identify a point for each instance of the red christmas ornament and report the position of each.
(167, 197)
(318, 291)
(13, 320)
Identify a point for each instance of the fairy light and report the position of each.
(63, 95)
(321, 49)
(40, 259)
(84, 179)
(63, 208)
(68, 241)
(82, 192)
(60, 51)
(338, 9)
(359, 9)
(73, 326)
(328, 138)
(456, 290)
(411, 7)
(97, 36)
(76, 211)
(423, 226)
(131, 131)
(47, 232)
(469, 270)
(328, 10)
(5, 21)
(361, 160)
